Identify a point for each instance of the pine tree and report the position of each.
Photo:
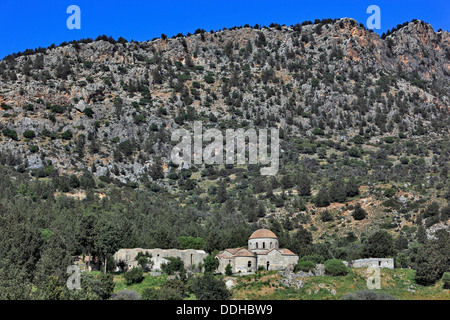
(421, 234)
(359, 213)
(337, 191)
(222, 194)
(351, 188)
(304, 186)
(322, 198)
(156, 171)
(379, 245)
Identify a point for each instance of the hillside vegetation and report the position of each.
(85, 144)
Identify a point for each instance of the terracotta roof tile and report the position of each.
(263, 233)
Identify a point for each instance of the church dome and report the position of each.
(263, 233)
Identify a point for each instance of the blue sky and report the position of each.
(30, 24)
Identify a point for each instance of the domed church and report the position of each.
(263, 252)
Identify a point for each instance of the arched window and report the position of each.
(249, 264)
(271, 245)
(268, 264)
(256, 245)
(264, 245)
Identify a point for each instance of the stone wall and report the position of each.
(241, 264)
(190, 257)
(387, 263)
(277, 261)
(262, 244)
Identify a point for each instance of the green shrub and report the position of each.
(210, 264)
(367, 295)
(150, 294)
(390, 192)
(172, 290)
(359, 213)
(304, 266)
(135, 275)
(335, 267)
(10, 134)
(229, 272)
(29, 134)
(209, 78)
(88, 112)
(389, 139)
(446, 280)
(174, 265)
(191, 242)
(67, 135)
(209, 288)
(317, 258)
(126, 295)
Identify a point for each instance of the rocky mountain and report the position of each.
(109, 106)
(85, 150)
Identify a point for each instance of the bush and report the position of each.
(367, 295)
(88, 112)
(10, 134)
(317, 258)
(229, 271)
(210, 288)
(209, 78)
(74, 182)
(174, 265)
(150, 294)
(126, 295)
(135, 275)
(446, 280)
(172, 290)
(191, 243)
(29, 134)
(432, 259)
(304, 266)
(210, 264)
(380, 245)
(67, 135)
(359, 213)
(335, 267)
(326, 216)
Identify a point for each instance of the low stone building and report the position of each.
(263, 252)
(190, 257)
(387, 263)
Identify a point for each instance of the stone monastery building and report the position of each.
(263, 252)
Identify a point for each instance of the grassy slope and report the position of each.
(265, 286)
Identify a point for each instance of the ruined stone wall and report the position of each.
(223, 262)
(387, 263)
(190, 257)
(241, 264)
(277, 261)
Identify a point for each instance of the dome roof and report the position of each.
(263, 233)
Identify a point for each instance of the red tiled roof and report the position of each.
(237, 252)
(263, 233)
(285, 252)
